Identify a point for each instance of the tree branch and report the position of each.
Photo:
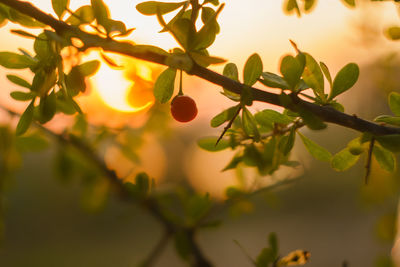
(326, 113)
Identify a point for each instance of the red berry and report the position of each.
(183, 108)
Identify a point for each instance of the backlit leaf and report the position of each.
(345, 79)
(385, 158)
(269, 116)
(313, 76)
(343, 160)
(231, 71)
(224, 116)
(25, 120)
(208, 143)
(388, 119)
(22, 96)
(59, 6)
(393, 33)
(100, 11)
(15, 61)
(326, 72)
(394, 103)
(252, 70)
(273, 80)
(316, 150)
(164, 85)
(82, 15)
(18, 80)
(291, 70)
(249, 124)
(152, 7)
(390, 142)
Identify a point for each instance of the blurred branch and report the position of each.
(157, 250)
(149, 204)
(326, 113)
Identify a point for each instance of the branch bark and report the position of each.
(326, 113)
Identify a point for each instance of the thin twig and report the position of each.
(369, 160)
(157, 250)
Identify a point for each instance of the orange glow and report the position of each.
(128, 90)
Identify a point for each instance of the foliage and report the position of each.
(261, 140)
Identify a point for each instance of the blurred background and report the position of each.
(333, 215)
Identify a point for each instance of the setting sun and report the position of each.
(128, 90)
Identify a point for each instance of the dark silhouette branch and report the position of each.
(326, 113)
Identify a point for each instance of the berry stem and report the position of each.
(180, 83)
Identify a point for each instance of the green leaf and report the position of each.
(75, 81)
(101, 12)
(207, 14)
(89, 68)
(25, 119)
(60, 6)
(291, 70)
(22, 96)
(183, 245)
(274, 81)
(164, 85)
(265, 258)
(385, 158)
(197, 206)
(326, 72)
(47, 107)
(208, 143)
(393, 33)
(149, 49)
(273, 243)
(206, 60)
(246, 96)
(32, 143)
(224, 116)
(269, 116)
(24, 20)
(345, 79)
(316, 150)
(82, 15)
(291, 6)
(18, 80)
(394, 103)
(286, 142)
(184, 31)
(152, 7)
(231, 71)
(233, 163)
(11, 60)
(388, 119)
(390, 142)
(23, 33)
(355, 146)
(249, 124)
(313, 76)
(343, 160)
(252, 70)
(42, 46)
(351, 3)
(141, 187)
(207, 34)
(309, 4)
(311, 120)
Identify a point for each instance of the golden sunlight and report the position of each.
(129, 90)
